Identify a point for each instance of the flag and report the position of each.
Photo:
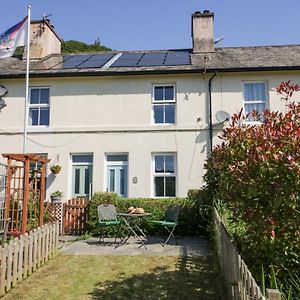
(12, 38)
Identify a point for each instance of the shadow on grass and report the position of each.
(192, 278)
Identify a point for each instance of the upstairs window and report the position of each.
(164, 104)
(255, 98)
(39, 106)
(164, 175)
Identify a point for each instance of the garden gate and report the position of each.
(75, 216)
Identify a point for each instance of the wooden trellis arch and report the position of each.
(24, 187)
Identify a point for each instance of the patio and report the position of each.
(188, 246)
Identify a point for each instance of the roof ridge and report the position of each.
(259, 46)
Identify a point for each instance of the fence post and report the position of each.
(21, 258)
(273, 294)
(26, 253)
(3, 282)
(30, 252)
(57, 235)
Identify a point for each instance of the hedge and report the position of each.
(190, 223)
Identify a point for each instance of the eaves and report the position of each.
(149, 72)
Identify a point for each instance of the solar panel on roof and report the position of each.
(141, 59)
(125, 63)
(131, 55)
(96, 61)
(155, 55)
(72, 61)
(164, 58)
(152, 59)
(177, 58)
(150, 62)
(128, 60)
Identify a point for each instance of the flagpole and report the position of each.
(26, 113)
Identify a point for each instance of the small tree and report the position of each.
(256, 172)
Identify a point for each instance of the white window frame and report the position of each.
(164, 102)
(38, 106)
(266, 102)
(154, 174)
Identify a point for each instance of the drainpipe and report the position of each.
(210, 111)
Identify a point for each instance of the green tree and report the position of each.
(73, 46)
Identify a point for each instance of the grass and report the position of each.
(121, 277)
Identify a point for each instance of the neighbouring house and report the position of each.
(139, 123)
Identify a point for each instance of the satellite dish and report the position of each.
(3, 90)
(222, 116)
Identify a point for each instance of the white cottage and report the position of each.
(138, 123)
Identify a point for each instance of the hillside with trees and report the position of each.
(73, 46)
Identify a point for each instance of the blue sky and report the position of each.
(161, 24)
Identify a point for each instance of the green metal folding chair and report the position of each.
(169, 222)
(107, 215)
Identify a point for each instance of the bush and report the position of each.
(189, 220)
(256, 172)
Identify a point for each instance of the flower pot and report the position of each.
(15, 233)
(55, 199)
(55, 172)
(55, 169)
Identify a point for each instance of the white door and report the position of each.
(82, 181)
(117, 174)
(82, 174)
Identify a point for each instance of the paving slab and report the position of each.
(189, 246)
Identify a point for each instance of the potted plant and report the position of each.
(55, 169)
(56, 196)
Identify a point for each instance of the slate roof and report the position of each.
(231, 59)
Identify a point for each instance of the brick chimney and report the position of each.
(43, 39)
(203, 32)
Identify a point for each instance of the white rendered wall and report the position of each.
(99, 115)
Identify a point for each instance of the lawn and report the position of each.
(121, 277)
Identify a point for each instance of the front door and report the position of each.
(82, 170)
(117, 174)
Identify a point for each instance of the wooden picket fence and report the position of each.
(239, 282)
(22, 256)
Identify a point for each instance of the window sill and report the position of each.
(38, 129)
(164, 124)
(253, 123)
(166, 197)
